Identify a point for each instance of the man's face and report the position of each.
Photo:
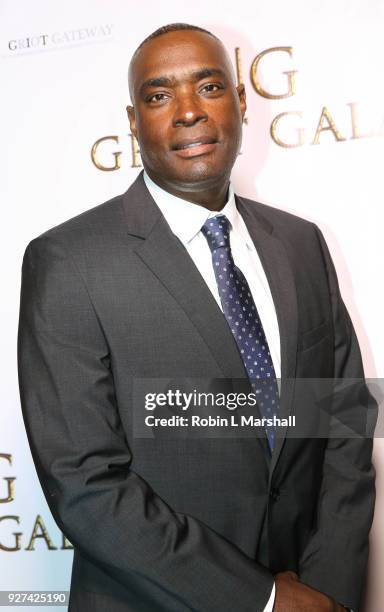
(187, 114)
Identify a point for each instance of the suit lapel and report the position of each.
(167, 258)
(276, 265)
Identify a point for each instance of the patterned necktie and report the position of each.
(243, 319)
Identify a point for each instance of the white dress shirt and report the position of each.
(186, 220)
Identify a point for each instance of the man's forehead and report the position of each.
(177, 53)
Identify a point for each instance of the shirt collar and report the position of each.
(186, 218)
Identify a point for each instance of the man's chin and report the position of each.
(199, 174)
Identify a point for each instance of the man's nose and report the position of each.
(188, 112)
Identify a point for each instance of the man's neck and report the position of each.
(212, 197)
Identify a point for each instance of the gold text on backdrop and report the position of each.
(7, 521)
(289, 129)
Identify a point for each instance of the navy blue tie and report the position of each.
(243, 319)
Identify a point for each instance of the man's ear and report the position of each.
(242, 98)
(132, 120)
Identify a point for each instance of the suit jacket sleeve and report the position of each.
(335, 558)
(84, 462)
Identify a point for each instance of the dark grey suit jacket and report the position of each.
(110, 297)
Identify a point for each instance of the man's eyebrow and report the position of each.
(162, 81)
(197, 75)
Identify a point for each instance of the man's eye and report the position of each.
(159, 97)
(211, 87)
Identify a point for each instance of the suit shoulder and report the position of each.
(294, 231)
(101, 219)
(279, 217)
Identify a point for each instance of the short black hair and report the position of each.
(172, 27)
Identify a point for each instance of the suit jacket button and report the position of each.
(274, 494)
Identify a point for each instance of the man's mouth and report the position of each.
(194, 147)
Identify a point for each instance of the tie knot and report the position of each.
(216, 231)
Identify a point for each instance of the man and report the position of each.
(143, 287)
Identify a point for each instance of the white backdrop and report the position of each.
(64, 86)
